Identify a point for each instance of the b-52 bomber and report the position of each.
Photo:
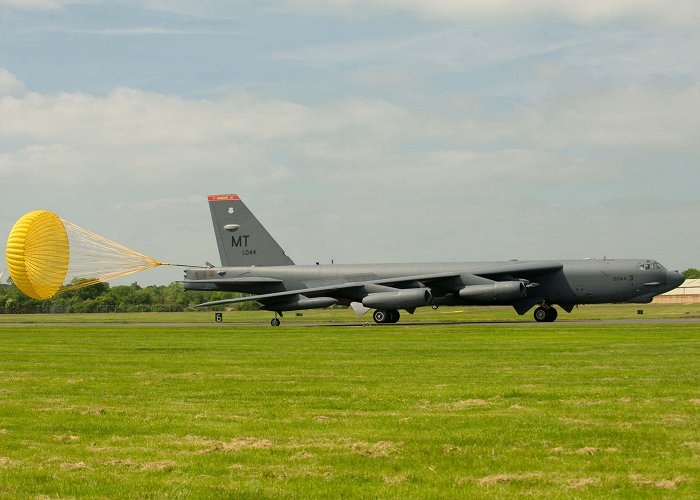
(253, 263)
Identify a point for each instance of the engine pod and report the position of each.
(498, 291)
(401, 299)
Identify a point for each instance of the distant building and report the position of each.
(687, 293)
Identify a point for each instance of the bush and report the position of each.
(692, 273)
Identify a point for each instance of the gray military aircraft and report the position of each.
(253, 263)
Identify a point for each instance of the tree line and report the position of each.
(102, 297)
(131, 298)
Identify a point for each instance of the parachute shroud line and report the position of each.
(46, 254)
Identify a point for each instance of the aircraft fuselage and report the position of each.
(589, 281)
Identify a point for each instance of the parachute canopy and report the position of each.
(46, 254)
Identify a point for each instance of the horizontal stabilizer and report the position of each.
(232, 284)
(239, 281)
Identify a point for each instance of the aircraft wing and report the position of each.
(518, 269)
(445, 280)
(334, 289)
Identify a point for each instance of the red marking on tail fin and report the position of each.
(223, 197)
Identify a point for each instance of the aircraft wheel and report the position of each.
(381, 316)
(541, 314)
(275, 322)
(552, 314)
(394, 316)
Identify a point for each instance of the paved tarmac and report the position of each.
(636, 321)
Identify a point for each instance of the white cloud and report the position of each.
(127, 32)
(656, 11)
(203, 9)
(133, 130)
(9, 84)
(627, 117)
(42, 4)
(137, 119)
(522, 65)
(136, 165)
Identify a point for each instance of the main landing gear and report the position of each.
(545, 314)
(386, 316)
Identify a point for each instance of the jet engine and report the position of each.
(498, 291)
(401, 299)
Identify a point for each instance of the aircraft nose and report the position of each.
(674, 278)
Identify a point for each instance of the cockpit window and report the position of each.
(651, 266)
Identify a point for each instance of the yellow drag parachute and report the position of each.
(37, 254)
(46, 254)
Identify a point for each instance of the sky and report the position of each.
(359, 130)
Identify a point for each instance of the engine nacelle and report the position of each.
(401, 299)
(302, 303)
(498, 291)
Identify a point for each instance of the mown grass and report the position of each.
(400, 411)
(346, 315)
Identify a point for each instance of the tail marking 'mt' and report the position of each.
(241, 239)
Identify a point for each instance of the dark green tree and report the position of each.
(123, 298)
(691, 273)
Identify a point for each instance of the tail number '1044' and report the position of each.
(242, 241)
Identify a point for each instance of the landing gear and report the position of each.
(275, 321)
(386, 316)
(380, 316)
(545, 314)
(394, 316)
(552, 314)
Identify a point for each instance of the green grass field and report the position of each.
(441, 411)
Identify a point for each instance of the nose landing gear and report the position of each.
(545, 314)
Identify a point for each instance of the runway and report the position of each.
(524, 324)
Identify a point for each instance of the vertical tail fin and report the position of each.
(242, 240)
